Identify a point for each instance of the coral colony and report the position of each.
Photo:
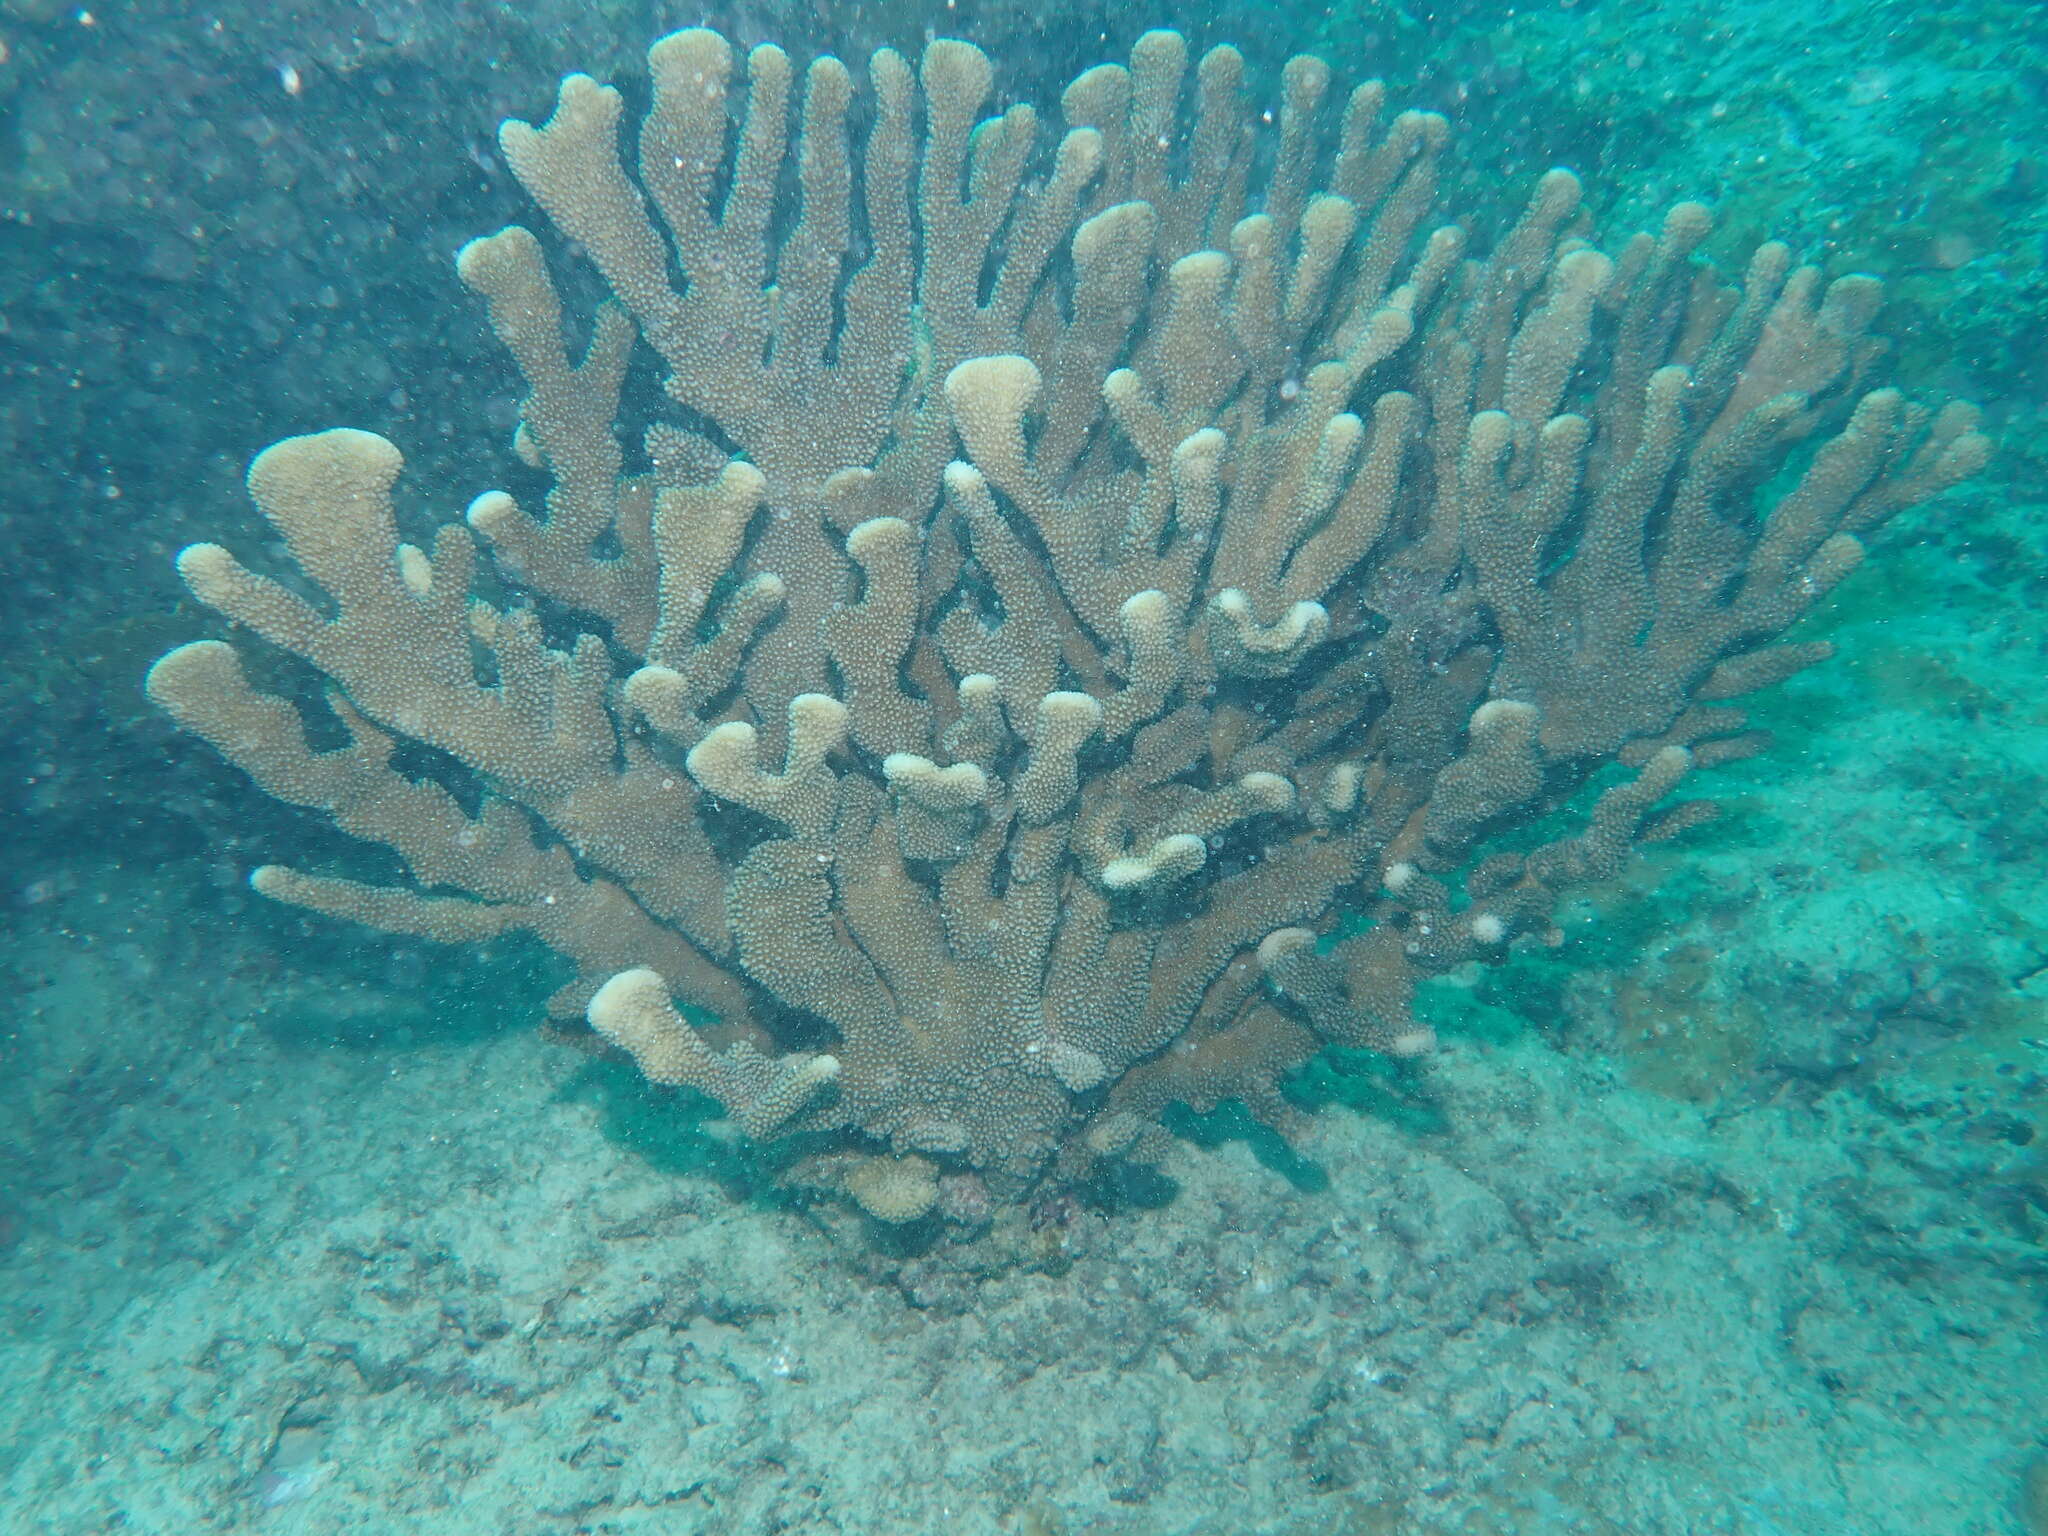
(1071, 567)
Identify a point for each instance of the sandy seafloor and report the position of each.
(1737, 1229)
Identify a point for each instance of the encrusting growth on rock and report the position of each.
(1079, 561)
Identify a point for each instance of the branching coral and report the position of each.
(1072, 566)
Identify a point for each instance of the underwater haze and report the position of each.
(956, 768)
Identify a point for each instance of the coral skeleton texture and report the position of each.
(1070, 567)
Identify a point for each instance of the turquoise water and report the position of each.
(1385, 1052)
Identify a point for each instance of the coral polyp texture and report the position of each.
(1071, 566)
